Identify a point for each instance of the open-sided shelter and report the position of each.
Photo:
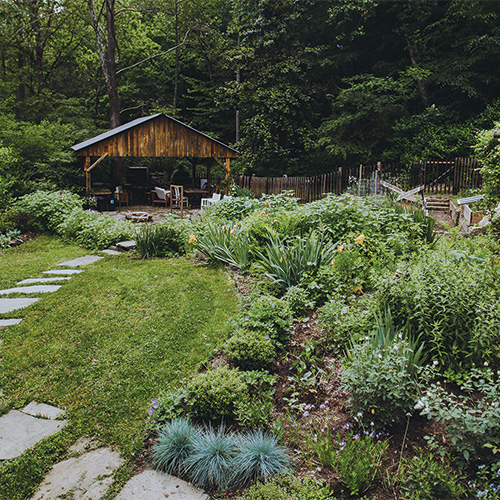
(153, 136)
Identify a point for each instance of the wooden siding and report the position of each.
(159, 137)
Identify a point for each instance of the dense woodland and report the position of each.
(297, 86)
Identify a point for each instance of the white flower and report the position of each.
(486, 363)
(435, 362)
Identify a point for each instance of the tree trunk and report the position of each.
(415, 58)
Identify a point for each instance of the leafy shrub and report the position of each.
(8, 237)
(226, 244)
(427, 478)
(299, 300)
(93, 230)
(213, 394)
(356, 459)
(48, 209)
(233, 209)
(450, 299)
(287, 487)
(270, 315)
(382, 374)
(345, 322)
(211, 463)
(161, 240)
(260, 456)
(250, 350)
(472, 418)
(174, 445)
(487, 150)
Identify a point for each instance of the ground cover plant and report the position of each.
(104, 347)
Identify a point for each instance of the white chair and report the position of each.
(161, 196)
(207, 202)
(178, 198)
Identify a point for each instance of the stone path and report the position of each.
(88, 474)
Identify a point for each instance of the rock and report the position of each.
(43, 280)
(9, 322)
(43, 410)
(81, 261)
(9, 305)
(31, 289)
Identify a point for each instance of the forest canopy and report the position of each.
(299, 87)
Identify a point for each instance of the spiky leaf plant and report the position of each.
(211, 464)
(260, 456)
(174, 445)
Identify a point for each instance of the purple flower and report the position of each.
(155, 405)
(150, 411)
(230, 319)
(305, 414)
(266, 336)
(246, 318)
(346, 426)
(308, 407)
(272, 306)
(154, 400)
(322, 406)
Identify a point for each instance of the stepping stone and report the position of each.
(81, 261)
(43, 410)
(154, 485)
(85, 477)
(29, 281)
(10, 322)
(111, 252)
(9, 305)
(126, 245)
(19, 431)
(31, 289)
(63, 271)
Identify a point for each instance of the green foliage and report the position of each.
(450, 299)
(487, 150)
(212, 395)
(94, 230)
(344, 323)
(425, 477)
(48, 209)
(250, 350)
(260, 456)
(175, 443)
(382, 375)
(287, 487)
(7, 238)
(471, 418)
(270, 315)
(299, 300)
(233, 209)
(356, 459)
(287, 264)
(161, 240)
(226, 244)
(211, 463)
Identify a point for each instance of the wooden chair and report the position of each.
(123, 197)
(161, 196)
(177, 198)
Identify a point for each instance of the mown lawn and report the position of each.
(112, 338)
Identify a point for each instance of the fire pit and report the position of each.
(138, 216)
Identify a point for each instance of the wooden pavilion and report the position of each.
(158, 135)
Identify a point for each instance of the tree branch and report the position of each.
(156, 55)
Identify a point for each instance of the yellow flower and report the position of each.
(232, 231)
(235, 226)
(262, 213)
(359, 240)
(373, 411)
(281, 259)
(333, 262)
(358, 290)
(192, 239)
(340, 248)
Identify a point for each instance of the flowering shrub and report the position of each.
(382, 374)
(472, 423)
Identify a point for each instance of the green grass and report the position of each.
(30, 259)
(112, 338)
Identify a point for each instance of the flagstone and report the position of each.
(81, 261)
(155, 485)
(19, 432)
(9, 305)
(63, 271)
(9, 322)
(29, 281)
(43, 410)
(31, 289)
(85, 477)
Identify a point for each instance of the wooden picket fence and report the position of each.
(442, 177)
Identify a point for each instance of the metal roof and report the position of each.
(134, 123)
